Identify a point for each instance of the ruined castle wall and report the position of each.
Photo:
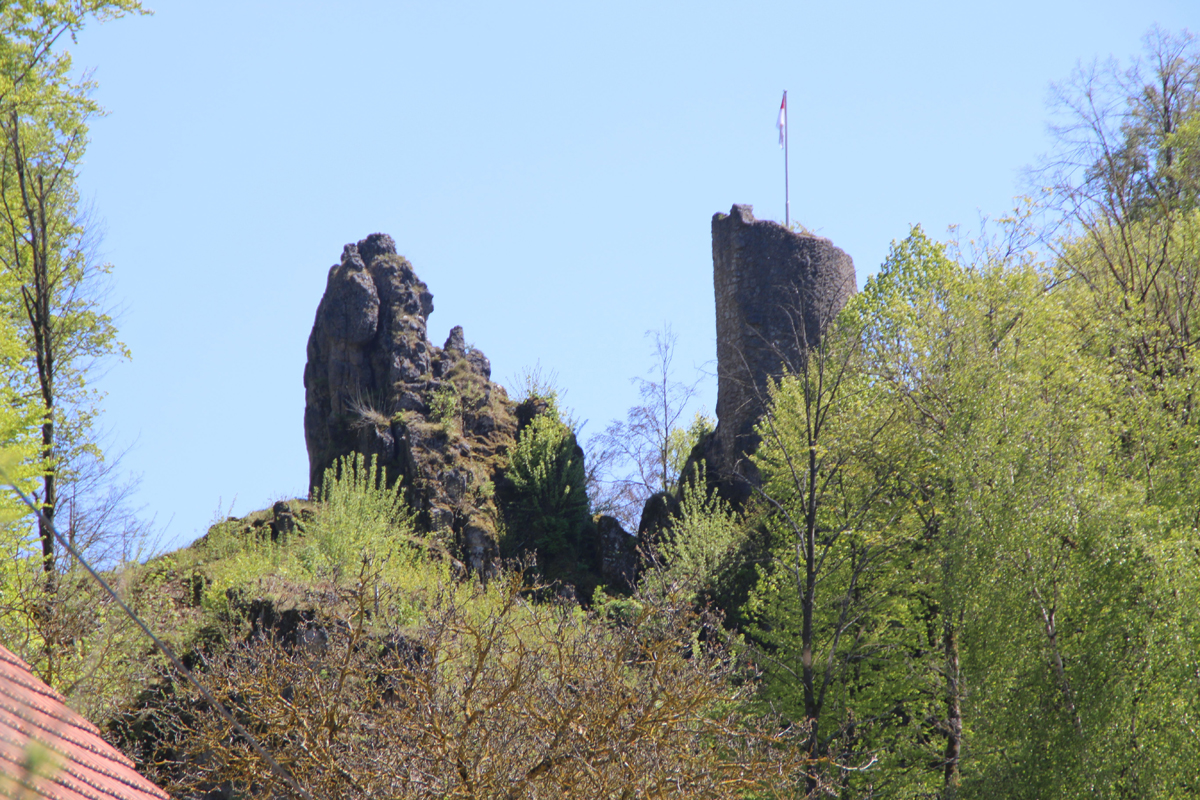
(776, 291)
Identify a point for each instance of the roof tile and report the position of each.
(88, 768)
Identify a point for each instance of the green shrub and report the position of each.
(361, 522)
(446, 409)
(361, 519)
(701, 547)
(550, 504)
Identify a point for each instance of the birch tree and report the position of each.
(46, 243)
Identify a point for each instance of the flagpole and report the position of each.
(787, 200)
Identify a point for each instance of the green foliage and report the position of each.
(978, 504)
(981, 539)
(68, 630)
(18, 467)
(681, 441)
(700, 550)
(446, 408)
(53, 328)
(617, 609)
(550, 504)
(51, 288)
(361, 521)
(842, 603)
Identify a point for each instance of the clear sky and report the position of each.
(550, 169)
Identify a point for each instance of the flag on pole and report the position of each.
(781, 123)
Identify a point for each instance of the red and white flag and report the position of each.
(781, 123)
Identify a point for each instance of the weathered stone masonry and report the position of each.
(776, 291)
(375, 385)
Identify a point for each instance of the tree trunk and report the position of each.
(812, 707)
(953, 710)
(49, 495)
(38, 295)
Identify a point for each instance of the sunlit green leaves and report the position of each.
(1026, 490)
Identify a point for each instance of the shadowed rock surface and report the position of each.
(431, 415)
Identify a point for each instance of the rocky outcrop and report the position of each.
(776, 292)
(618, 556)
(431, 416)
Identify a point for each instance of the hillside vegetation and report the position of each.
(369, 669)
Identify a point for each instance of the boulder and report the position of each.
(619, 557)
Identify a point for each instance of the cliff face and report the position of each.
(776, 291)
(434, 420)
(431, 415)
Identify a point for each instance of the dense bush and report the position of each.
(549, 503)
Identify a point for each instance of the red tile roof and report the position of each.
(79, 764)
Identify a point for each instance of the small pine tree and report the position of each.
(550, 504)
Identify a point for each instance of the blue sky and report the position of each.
(550, 169)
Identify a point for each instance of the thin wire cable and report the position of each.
(276, 767)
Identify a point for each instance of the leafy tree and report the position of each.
(701, 549)
(52, 327)
(1023, 598)
(947, 352)
(45, 242)
(1124, 185)
(1127, 262)
(832, 611)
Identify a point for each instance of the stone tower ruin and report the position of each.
(776, 292)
